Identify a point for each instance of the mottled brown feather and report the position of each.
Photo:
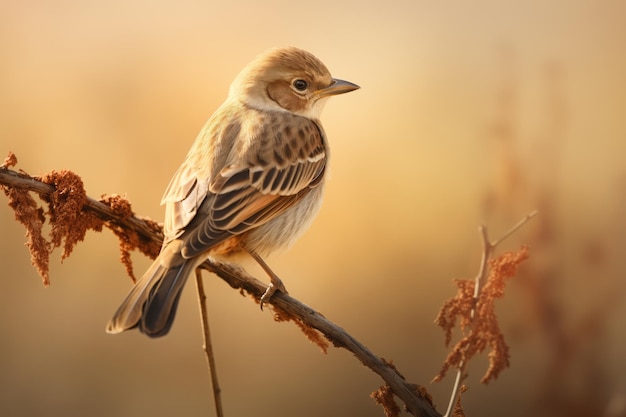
(247, 193)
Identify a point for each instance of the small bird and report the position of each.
(252, 182)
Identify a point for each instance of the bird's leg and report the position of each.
(275, 282)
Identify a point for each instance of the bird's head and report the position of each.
(287, 79)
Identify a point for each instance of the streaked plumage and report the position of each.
(253, 180)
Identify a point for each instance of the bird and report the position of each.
(252, 182)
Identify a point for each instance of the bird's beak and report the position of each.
(337, 87)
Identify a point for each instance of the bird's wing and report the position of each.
(282, 163)
(189, 186)
(183, 196)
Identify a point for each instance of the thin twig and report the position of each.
(207, 346)
(483, 269)
(514, 228)
(479, 280)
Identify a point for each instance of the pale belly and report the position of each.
(284, 230)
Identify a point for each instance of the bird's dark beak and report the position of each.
(337, 87)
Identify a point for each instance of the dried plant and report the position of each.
(477, 317)
(474, 307)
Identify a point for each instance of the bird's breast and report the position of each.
(282, 231)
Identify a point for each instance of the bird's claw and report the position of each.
(276, 284)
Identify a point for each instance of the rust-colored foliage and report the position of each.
(424, 394)
(70, 219)
(68, 222)
(9, 161)
(28, 212)
(130, 239)
(313, 335)
(384, 397)
(458, 411)
(31, 216)
(478, 320)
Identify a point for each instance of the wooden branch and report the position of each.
(287, 306)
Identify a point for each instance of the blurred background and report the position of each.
(469, 113)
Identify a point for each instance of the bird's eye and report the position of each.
(300, 85)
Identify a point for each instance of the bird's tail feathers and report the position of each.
(151, 303)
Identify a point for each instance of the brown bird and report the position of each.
(252, 181)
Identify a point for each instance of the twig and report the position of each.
(238, 278)
(515, 228)
(479, 280)
(207, 346)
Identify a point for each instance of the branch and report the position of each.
(285, 307)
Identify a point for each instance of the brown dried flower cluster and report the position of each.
(68, 221)
(477, 317)
(458, 410)
(313, 335)
(9, 161)
(28, 212)
(129, 239)
(384, 396)
(70, 217)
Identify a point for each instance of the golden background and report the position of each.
(469, 112)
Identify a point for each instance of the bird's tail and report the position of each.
(151, 303)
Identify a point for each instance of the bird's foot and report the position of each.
(275, 284)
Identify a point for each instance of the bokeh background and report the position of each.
(469, 113)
